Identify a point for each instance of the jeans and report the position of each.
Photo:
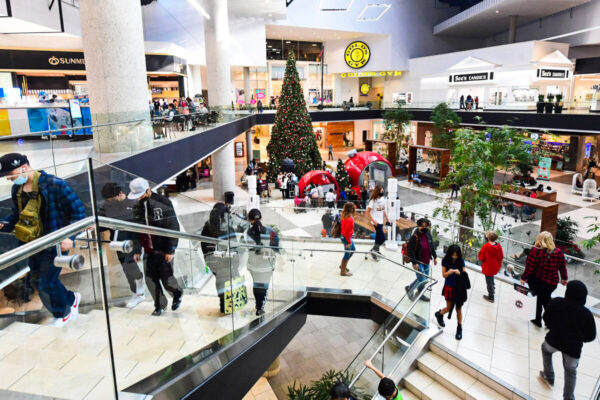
(570, 366)
(489, 281)
(46, 279)
(543, 293)
(330, 156)
(379, 235)
(158, 271)
(349, 252)
(421, 280)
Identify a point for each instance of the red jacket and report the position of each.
(491, 256)
(348, 229)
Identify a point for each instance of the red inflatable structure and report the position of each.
(317, 178)
(357, 164)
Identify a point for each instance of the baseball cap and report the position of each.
(11, 161)
(137, 188)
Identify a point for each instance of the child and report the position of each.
(387, 388)
(491, 256)
(340, 391)
(455, 290)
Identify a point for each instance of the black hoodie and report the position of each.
(570, 322)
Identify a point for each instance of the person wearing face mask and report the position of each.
(153, 209)
(43, 203)
(454, 291)
(118, 206)
(377, 216)
(421, 251)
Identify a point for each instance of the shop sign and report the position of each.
(364, 89)
(544, 73)
(370, 74)
(357, 54)
(544, 166)
(474, 77)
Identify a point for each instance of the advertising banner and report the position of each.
(544, 166)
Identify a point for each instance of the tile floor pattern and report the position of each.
(261, 391)
(323, 343)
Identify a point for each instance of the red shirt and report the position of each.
(491, 256)
(545, 266)
(348, 228)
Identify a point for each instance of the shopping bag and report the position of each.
(236, 296)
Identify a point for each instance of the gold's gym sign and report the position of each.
(370, 74)
(357, 54)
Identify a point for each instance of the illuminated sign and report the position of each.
(474, 77)
(545, 73)
(357, 54)
(370, 74)
(365, 88)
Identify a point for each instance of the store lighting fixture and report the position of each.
(335, 5)
(373, 12)
(199, 8)
(288, 42)
(497, 11)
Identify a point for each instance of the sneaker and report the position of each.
(176, 303)
(60, 322)
(488, 298)
(546, 379)
(135, 300)
(536, 323)
(425, 299)
(440, 319)
(158, 311)
(260, 312)
(75, 306)
(374, 255)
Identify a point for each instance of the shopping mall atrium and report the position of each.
(299, 199)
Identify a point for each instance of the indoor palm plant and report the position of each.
(319, 389)
(558, 106)
(540, 104)
(549, 106)
(566, 232)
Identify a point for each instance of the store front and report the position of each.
(366, 88)
(586, 90)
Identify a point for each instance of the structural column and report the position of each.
(249, 145)
(512, 28)
(194, 80)
(218, 83)
(113, 45)
(247, 91)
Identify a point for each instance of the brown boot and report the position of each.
(344, 271)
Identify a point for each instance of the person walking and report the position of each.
(156, 210)
(330, 199)
(454, 290)
(377, 215)
(421, 251)
(386, 387)
(364, 197)
(544, 264)
(570, 325)
(347, 230)
(330, 155)
(462, 101)
(491, 256)
(118, 206)
(42, 204)
(259, 106)
(476, 102)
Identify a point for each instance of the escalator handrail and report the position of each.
(393, 330)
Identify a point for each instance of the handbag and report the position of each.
(336, 230)
(29, 227)
(236, 295)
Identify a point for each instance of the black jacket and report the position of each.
(121, 210)
(571, 324)
(463, 283)
(157, 211)
(414, 247)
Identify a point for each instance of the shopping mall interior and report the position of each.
(299, 199)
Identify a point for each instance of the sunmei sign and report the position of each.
(545, 73)
(370, 74)
(474, 77)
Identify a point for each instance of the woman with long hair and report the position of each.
(347, 229)
(377, 216)
(453, 265)
(544, 263)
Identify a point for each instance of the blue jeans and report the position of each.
(46, 279)
(349, 252)
(421, 280)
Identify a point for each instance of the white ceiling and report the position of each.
(311, 34)
(267, 9)
(492, 16)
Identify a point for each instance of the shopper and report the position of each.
(455, 287)
(347, 230)
(156, 210)
(259, 106)
(469, 102)
(377, 215)
(364, 197)
(571, 324)
(491, 256)
(386, 388)
(462, 101)
(327, 221)
(118, 206)
(544, 263)
(340, 391)
(330, 199)
(42, 203)
(421, 251)
(261, 261)
(476, 102)
(330, 155)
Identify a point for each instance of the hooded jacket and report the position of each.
(491, 256)
(157, 211)
(571, 324)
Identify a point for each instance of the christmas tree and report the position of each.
(292, 135)
(341, 176)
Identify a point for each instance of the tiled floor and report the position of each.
(261, 391)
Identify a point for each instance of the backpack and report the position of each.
(29, 227)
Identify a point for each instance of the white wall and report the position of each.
(248, 43)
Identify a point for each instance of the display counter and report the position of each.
(34, 118)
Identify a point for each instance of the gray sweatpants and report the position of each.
(570, 366)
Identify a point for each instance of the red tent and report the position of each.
(316, 178)
(356, 165)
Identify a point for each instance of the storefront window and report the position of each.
(274, 49)
(309, 51)
(290, 45)
(525, 95)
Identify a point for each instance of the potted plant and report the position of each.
(549, 105)
(566, 232)
(558, 107)
(540, 104)
(319, 389)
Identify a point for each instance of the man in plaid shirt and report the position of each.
(60, 207)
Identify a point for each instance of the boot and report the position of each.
(458, 332)
(440, 319)
(344, 271)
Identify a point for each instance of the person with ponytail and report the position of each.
(377, 216)
(347, 230)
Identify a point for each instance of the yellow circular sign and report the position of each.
(357, 54)
(364, 88)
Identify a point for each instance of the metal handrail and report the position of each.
(50, 131)
(398, 324)
(596, 391)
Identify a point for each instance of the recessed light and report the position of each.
(497, 11)
(288, 42)
(269, 46)
(314, 44)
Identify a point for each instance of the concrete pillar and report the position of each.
(249, 145)
(194, 80)
(247, 91)
(218, 83)
(512, 28)
(113, 44)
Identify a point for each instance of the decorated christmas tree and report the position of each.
(292, 135)
(341, 176)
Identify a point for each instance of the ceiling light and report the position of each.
(497, 11)
(269, 46)
(335, 5)
(288, 42)
(199, 8)
(373, 12)
(314, 44)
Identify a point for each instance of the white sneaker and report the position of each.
(60, 322)
(75, 306)
(135, 300)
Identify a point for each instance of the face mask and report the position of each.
(21, 180)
